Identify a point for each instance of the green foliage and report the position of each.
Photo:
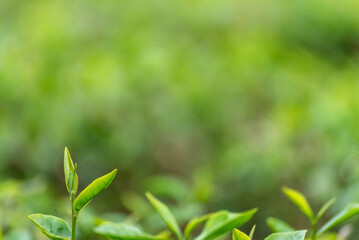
(216, 224)
(293, 235)
(277, 225)
(56, 228)
(348, 212)
(93, 190)
(125, 232)
(298, 199)
(301, 202)
(53, 227)
(297, 235)
(165, 214)
(238, 235)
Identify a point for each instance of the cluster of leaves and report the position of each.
(58, 229)
(301, 202)
(214, 224)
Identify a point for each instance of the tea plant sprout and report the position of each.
(301, 202)
(56, 228)
(215, 225)
(294, 235)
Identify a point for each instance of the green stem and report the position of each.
(74, 219)
(314, 230)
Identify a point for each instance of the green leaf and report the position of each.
(297, 235)
(277, 225)
(53, 227)
(93, 189)
(165, 214)
(71, 178)
(252, 232)
(223, 222)
(349, 211)
(325, 208)
(238, 235)
(298, 199)
(124, 231)
(195, 222)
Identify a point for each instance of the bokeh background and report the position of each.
(207, 104)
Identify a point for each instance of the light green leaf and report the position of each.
(252, 232)
(93, 189)
(117, 231)
(297, 235)
(238, 235)
(277, 225)
(325, 208)
(165, 214)
(71, 178)
(298, 199)
(223, 222)
(195, 222)
(349, 211)
(53, 227)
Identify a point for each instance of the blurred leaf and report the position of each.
(298, 199)
(325, 208)
(124, 231)
(17, 235)
(348, 212)
(252, 232)
(165, 214)
(53, 227)
(223, 222)
(167, 186)
(277, 225)
(297, 235)
(93, 189)
(194, 223)
(238, 235)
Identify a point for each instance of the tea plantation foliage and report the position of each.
(206, 104)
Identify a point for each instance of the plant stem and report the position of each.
(74, 219)
(314, 230)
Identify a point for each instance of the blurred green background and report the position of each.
(207, 104)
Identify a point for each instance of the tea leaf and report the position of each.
(195, 222)
(125, 232)
(297, 235)
(298, 199)
(53, 227)
(238, 235)
(277, 225)
(223, 222)
(93, 189)
(165, 214)
(71, 178)
(349, 211)
(325, 208)
(252, 232)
